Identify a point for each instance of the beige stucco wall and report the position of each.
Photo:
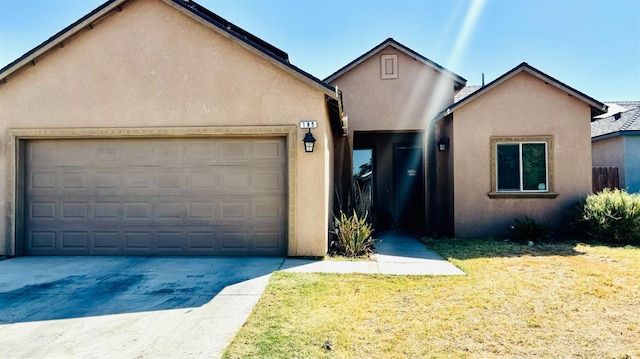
(152, 66)
(522, 106)
(610, 152)
(404, 106)
(405, 103)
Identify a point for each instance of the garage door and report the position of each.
(155, 197)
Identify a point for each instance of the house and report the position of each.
(463, 160)
(191, 139)
(615, 142)
(155, 127)
(522, 151)
(391, 94)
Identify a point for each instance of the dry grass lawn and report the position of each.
(562, 300)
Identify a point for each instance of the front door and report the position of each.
(409, 188)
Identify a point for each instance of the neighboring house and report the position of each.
(187, 139)
(615, 142)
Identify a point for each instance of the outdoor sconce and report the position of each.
(309, 142)
(443, 144)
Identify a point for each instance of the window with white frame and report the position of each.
(521, 165)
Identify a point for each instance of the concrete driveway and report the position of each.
(158, 307)
(126, 307)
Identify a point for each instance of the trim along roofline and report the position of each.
(615, 134)
(597, 107)
(459, 81)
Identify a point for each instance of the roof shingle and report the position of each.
(619, 121)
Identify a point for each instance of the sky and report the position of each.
(590, 45)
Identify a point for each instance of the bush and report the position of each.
(609, 216)
(353, 236)
(528, 230)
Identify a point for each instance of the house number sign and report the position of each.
(308, 124)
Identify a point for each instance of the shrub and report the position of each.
(528, 230)
(353, 236)
(609, 216)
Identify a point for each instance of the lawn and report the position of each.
(563, 300)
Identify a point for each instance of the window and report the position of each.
(363, 173)
(521, 166)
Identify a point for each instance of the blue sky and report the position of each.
(591, 45)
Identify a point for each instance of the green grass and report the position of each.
(550, 301)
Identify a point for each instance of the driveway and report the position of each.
(158, 307)
(126, 307)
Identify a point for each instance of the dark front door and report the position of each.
(409, 188)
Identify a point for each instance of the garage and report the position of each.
(155, 196)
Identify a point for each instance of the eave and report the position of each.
(597, 107)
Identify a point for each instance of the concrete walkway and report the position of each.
(397, 253)
(158, 307)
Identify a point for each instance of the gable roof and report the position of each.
(619, 122)
(191, 9)
(597, 107)
(458, 80)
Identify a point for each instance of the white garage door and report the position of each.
(190, 196)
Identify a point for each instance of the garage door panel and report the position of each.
(105, 241)
(203, 240)
(168, 240)
(42, 180)
(156, 197)
(42, 239)
(74, 210)
(75, 179)
(201, 153)
(268, 239)
(42, 210)
(269, 151)
(74, 239)
(168, 210)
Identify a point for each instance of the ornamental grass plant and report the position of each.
(353, 235)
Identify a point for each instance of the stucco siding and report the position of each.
(521, 106)
(405, 103)
(151, 66)
(632, 163)
(610, 152)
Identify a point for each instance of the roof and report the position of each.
(458, 80)
(625, 119)
(191, 9)
(597, 107)
(464, 92)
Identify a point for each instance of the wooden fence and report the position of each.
(604, 177)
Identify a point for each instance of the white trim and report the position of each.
(386, 61)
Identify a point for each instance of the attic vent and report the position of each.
(389, 66)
